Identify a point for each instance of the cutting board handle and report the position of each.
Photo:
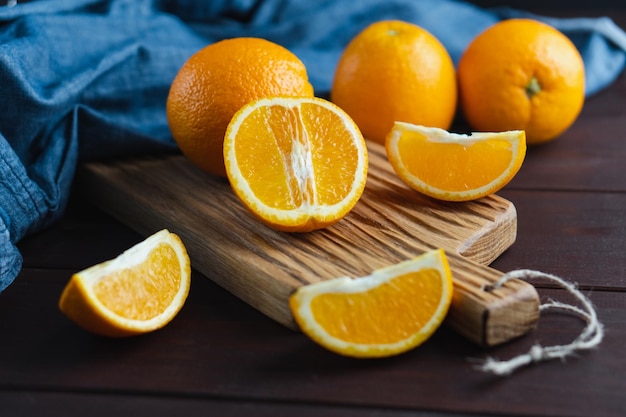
(490, 316)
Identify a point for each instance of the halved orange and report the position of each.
(298, 164)
(454, 167)
(386, 313)
(139, 291)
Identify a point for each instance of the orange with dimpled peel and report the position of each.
(216, 82)
(395, 70)
(522, 74)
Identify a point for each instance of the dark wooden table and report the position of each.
(221, 357)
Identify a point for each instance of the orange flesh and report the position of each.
(137, 293)
(452, 170)
(385, 314)
(304, 165)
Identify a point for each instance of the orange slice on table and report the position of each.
(386, 313)
(298, 164)
(454, 167)
(139, 291)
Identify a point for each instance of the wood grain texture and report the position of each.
(391, 223)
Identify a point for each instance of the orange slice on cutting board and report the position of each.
(386, 313)
(298, 164)
(139, 291)
(454, 167)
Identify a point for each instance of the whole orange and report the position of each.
(220, 79)
(395, 71)
(521, 74)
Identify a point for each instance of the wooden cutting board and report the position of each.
(263, 267)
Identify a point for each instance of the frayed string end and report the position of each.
(590, 337)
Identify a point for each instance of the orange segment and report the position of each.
(139, 291)
(298, 164)
(454, 167)
(386, 313)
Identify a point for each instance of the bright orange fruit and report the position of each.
(216, 82)
(391, 71)
(139, 291)
(521, 74)
(454, 167)
(386, 313)
(298, 164)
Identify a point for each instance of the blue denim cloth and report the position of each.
(85, 79)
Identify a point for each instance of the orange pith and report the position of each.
(454, 167)
(216, 82)
(386, 313)
(521, 74)
(391, 71)
(298, 164)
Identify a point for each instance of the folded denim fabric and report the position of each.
(86, 79)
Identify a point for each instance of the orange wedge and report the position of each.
(298, 164)
(454, 167)
(386, 313)
(139, 291)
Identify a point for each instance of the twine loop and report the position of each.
(589, 338)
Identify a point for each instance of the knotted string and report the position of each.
(590, 337)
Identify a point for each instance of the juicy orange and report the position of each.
(216, 82)
(454, 167)
(395, 70)
(298, 164)
(521, 74)
(139, 291)
(386, 313)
